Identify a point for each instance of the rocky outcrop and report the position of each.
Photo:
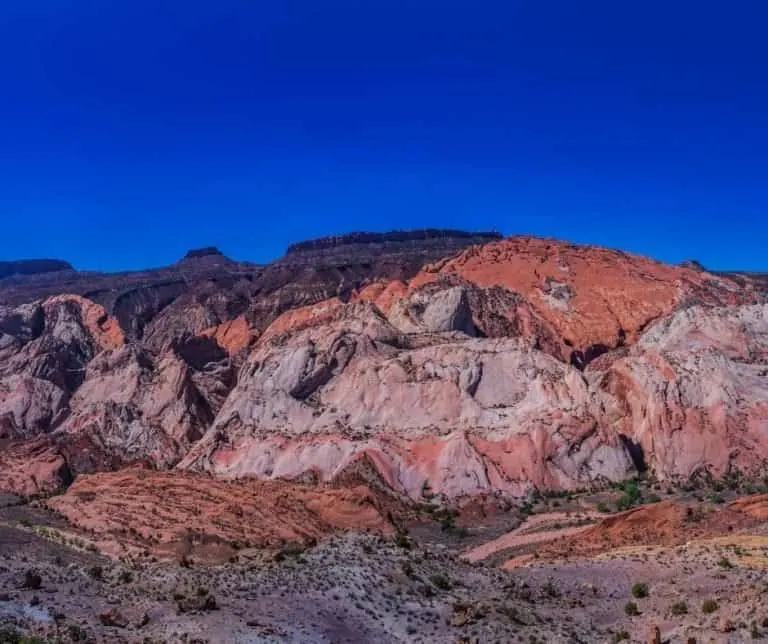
(463, 415)
(45, 351)
(32, 267)
(466, 415)
(668, 523)
(207, 251)
(428, 240)
(32, 467)
(70, 382)
(181, 515)
(207, 289)
(595, 299)
(692, 394)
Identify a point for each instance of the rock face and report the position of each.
(178, 515)
(693, 392)
(463, 415)
(32, 267)
(668, 523)
(406, 359)
(69, 381)
(594, 299)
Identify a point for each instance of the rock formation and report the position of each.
(32, 267)
(179, 515)
(417, 359)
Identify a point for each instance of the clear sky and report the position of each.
(132, 130)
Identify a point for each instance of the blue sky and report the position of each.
(132, 131)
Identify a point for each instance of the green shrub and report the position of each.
(709, 606)
(441, 581)
(550, 590)
(526, 508)
(620, 636)
(12, 636)
(725, 563)
(603, 507)
(640, 590)
(76, 634)
(402, 541)
(630, 497)
(448, 523)
(630, 608)
(293, 549)
(679, 608)
(32, 580)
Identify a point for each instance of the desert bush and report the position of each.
(621, 636)
(724, 562)
(440, 581)
(32, 580)
(293, 549)
(709, 606)
(202, 601)
(679, 608)
(631, 493)
(526, 508)
(402, 541)
(550, 590)
(12, 636)
(640, 590)
(630, 608)
(693, 515)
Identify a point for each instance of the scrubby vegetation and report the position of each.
(640, 590)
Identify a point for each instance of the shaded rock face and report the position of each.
(515, 364)
(32, 267)
(207, 251)
(446, 239)
(32, 467)
(69, 381)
